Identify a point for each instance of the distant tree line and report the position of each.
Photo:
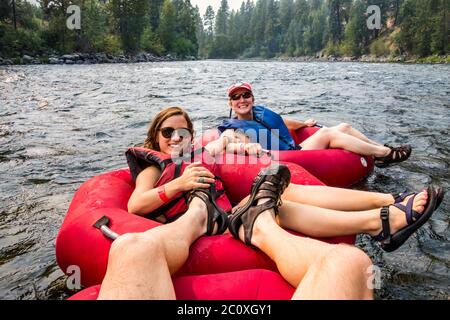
(261, 28)
(269, 28)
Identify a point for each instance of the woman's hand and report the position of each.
(310, 122)
(220, 145)
(194, 176)
(245, 148)
(253, 148)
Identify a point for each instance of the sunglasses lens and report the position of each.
(245, 95)
(181, 132)
(167, 132)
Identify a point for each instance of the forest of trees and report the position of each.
(261, 28)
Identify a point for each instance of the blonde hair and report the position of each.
(151, 142)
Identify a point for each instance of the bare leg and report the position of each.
(342, 278)
(327, 138)
(336, 198)
(348, 129)
(301, 259)
(319, 222)
(154, 255)
(137, 269)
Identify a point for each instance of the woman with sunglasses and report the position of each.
(260, 120)
(303, 262)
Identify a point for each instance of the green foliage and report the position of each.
(19, 42)
(130, 20)
(184, 47)
(424, 25)
(167, 25)
(222, 18)
(5, 11)
(111, 44)
(94, 27)
(150, 42)
(355, 31)
(260, 28)
(379, 48)
(434, 59)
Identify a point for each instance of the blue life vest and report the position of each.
(267, 128)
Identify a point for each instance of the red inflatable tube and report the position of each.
(334, 167)
(80, 244)
(260, 284)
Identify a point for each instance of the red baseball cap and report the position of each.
(240, 85)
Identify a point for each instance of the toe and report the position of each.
(420, 201)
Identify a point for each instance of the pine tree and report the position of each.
(155, 7)
(208, 21)
(356, 30)
(130, 17)
(223, 14)
(339, 15)
(167, 24)
(186, 39)
(5, 10)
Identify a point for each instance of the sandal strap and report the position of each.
(265, 186)
(249, 219)
(385, 234)
(264, 194)
(397, 154)
(411, 215)
(399, 197)
(214, 213)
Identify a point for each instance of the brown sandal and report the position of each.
(215, 213)
(397, 154)
(269, 183)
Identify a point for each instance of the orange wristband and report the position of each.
(162, 194)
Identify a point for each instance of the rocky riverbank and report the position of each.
(369, 58)
(89, 58)
(94, 58)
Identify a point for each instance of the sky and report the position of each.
(202, 4)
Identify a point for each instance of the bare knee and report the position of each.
(348, 258)
(325, 132)
(345, 270)
(343, 127)
(132, 246)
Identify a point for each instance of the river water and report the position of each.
(61, 124)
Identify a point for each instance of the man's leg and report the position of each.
(140, 265)
(342, 273)
(299, 258)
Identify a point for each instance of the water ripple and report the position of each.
(60, 126)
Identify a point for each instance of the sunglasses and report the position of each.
(244, 95)
(167, 132)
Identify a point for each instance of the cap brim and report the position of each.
(236, 89)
